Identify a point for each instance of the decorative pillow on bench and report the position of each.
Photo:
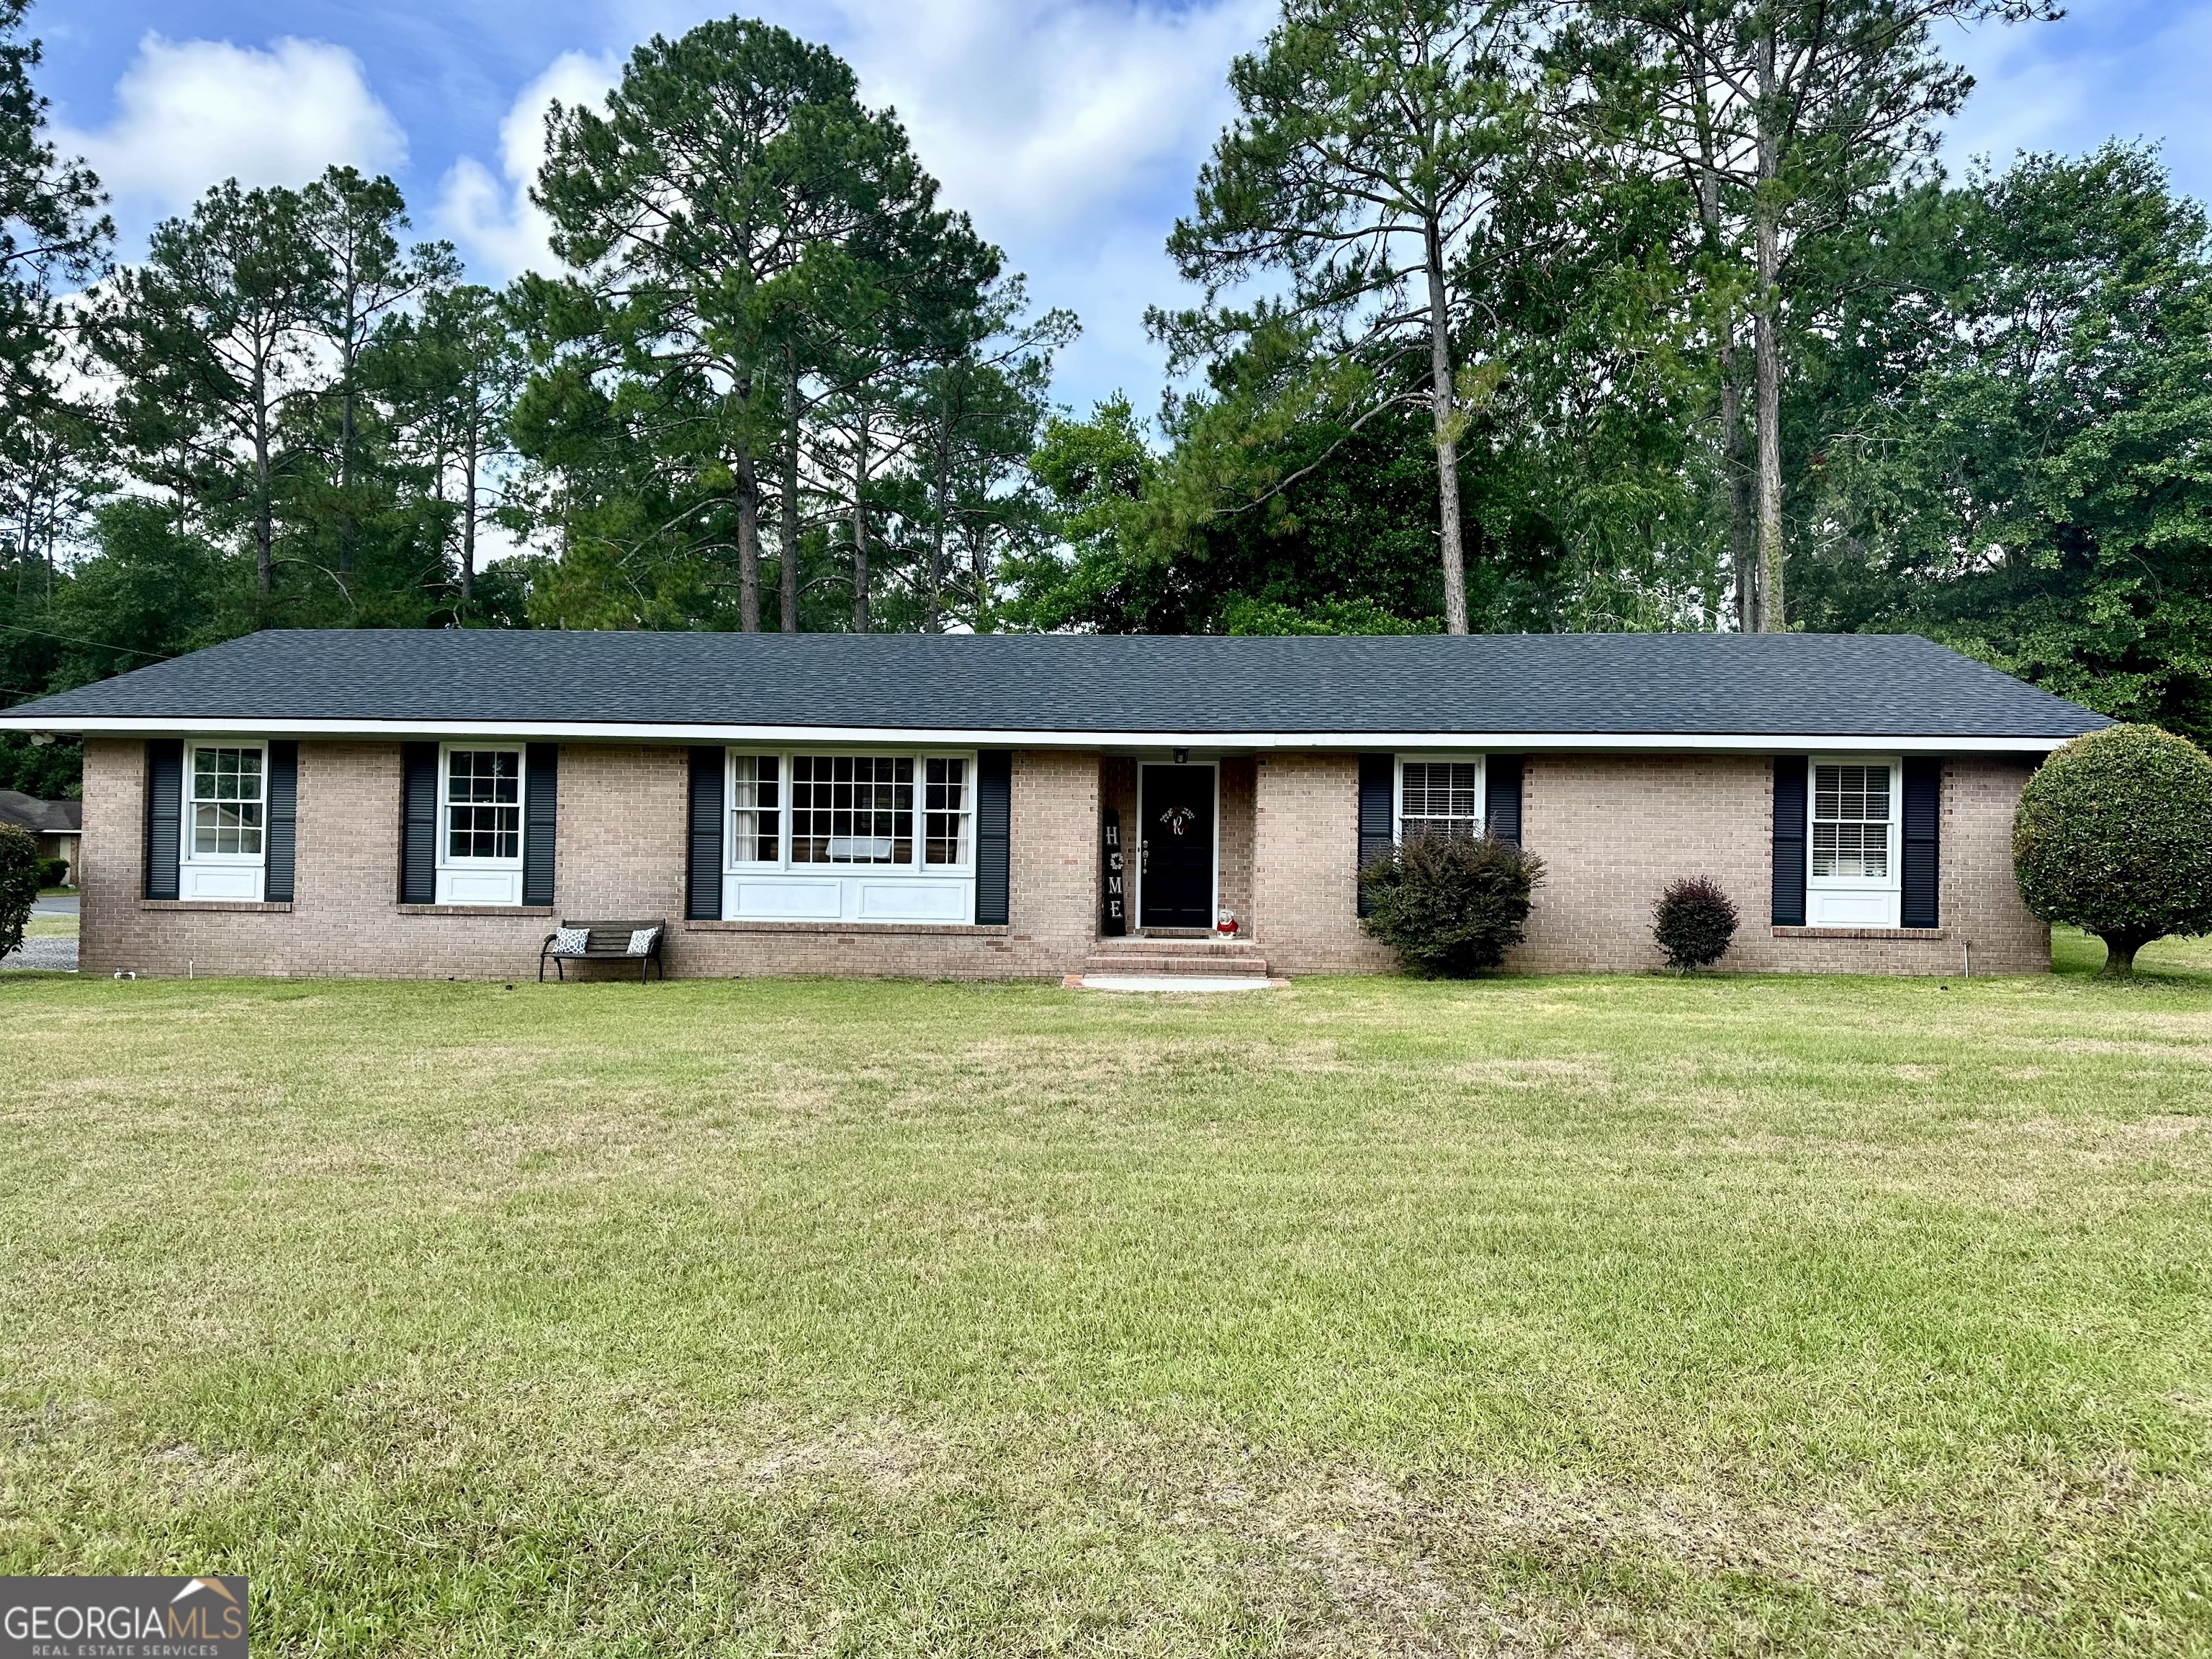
(571, 941)
(641, 940)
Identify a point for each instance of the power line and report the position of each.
(101, 645)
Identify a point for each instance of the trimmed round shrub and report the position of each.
(1450, 905)
(53, 873)
(2114, 836)
(1694, 923)
(18, 883)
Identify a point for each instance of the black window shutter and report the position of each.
(1501, 804)
(541, 790)
(165, 815)
(418, 827)
(1923, 815)
(1790, 841)
(994, 820)
(1378, 788)
(283, 821)
(702, 872)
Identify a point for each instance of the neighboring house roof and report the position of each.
(41, 818)
(1330, 690)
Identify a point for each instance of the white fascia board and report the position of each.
(861, 737)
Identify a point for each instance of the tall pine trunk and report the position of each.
(940, 492)
(748, 541)
(1743, 539)
(788, 527)
(468, 506)
(264, 528)
(861, 525)
(1443, 414)
(1773, 612)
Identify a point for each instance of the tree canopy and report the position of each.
(1610, 314)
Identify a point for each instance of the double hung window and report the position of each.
(483, 806)
(1439, 797)
(229, 803)
(223, 850)
(1851, 877)
(1851, 820)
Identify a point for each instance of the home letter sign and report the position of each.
(1114, 921)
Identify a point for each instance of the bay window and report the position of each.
(850, 837)
(1851, 876)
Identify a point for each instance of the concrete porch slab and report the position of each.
(1202, 982)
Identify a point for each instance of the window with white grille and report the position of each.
(229, 802)
(1854, 815)
(1439, 797)
(755, 809)
(852, 809)
(948, 812)
(484, 804)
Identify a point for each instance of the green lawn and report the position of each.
(1578, 1315)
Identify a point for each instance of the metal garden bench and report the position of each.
(603, 941)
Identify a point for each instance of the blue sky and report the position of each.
(1071, 128)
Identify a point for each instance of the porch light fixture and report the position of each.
(1182, 757)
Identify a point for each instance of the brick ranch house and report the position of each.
(426, 804)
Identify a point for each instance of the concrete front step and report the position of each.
(1148, 962)
(1170, 946)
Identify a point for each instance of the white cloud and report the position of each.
(2126, 69)
(189, 113)
(492, 219)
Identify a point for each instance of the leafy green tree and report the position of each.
(213, 338)
(2026, 374)
(451, 372)
(53, 237)
(2114, 836)
(1363, 168)
(355, 226)
(1785, 118)
(687, 212)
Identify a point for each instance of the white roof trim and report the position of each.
(618, 731)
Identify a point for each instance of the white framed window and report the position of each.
(225, 849)
(755, 809)
(479, 824)
(849, 836)
(852, 809)
(948, 812)
(1855, 811)
(1439, 795)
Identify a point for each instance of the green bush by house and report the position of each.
(2114, 836)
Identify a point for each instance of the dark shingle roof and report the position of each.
(1780, 684)
(44, 818)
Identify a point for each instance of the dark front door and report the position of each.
(1176, 873)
